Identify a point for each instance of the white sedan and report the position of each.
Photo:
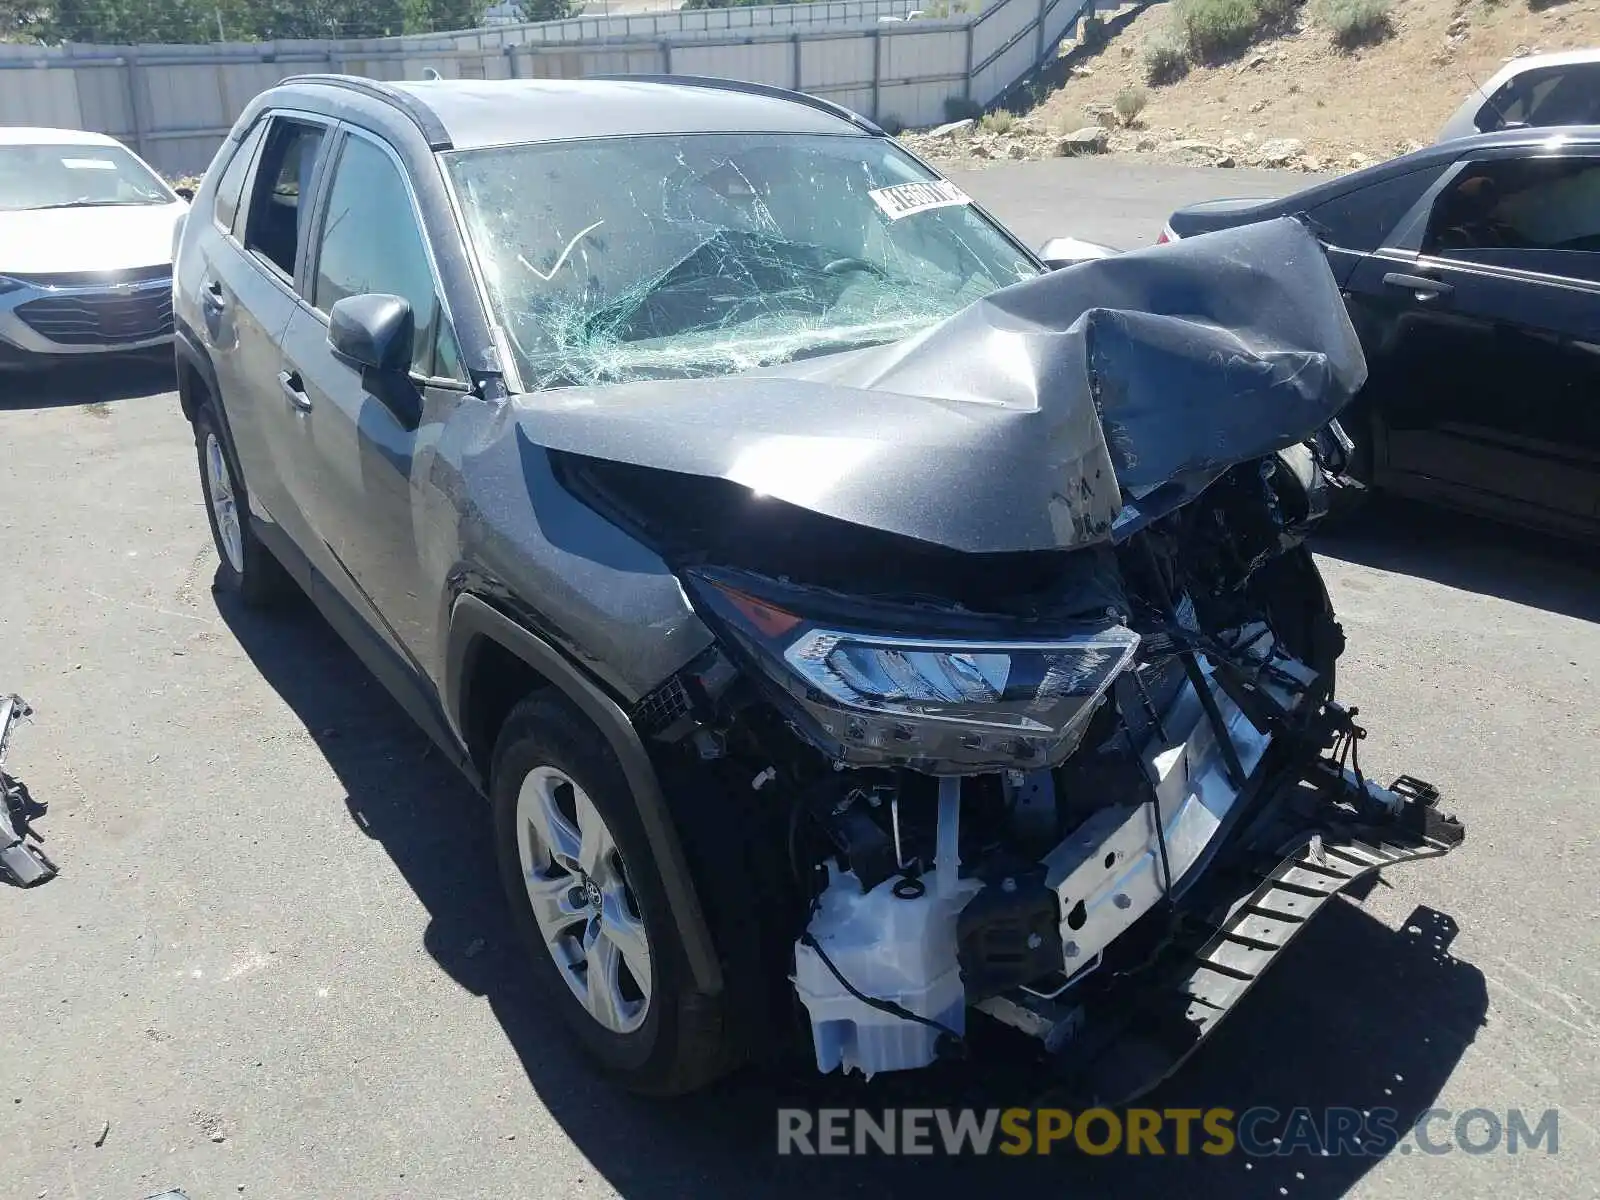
(86, 234)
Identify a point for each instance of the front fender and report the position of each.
(471, 619)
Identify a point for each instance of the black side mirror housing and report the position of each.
(374, 332)
(184, 192)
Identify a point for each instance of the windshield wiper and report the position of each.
(95, 204)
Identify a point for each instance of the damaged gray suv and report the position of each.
(862, 632)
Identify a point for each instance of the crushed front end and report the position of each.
(1093, 801)
(1019, 698)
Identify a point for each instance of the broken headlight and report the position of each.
(870, 695)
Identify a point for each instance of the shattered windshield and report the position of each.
(657, 257)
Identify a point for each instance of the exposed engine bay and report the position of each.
(1016, 804)
(1057, 744)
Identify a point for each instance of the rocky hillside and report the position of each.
(1295, 100)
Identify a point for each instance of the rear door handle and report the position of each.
(213, 296)
(1421, 286)
(294, 390)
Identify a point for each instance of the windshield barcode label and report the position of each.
(904, 199)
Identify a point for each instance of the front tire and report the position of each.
(589, 906)
(247, 568)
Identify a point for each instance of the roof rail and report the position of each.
(422, 116)
(755, 89)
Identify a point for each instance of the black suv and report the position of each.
(854, 624)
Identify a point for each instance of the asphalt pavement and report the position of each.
(275, 963)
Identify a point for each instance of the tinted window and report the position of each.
(1540, 214)
(231, 186)
(1362, 219)
(282, 183)
(371, 243)
(1552, 96)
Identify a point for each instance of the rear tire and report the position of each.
(247, 567)
(588, 903)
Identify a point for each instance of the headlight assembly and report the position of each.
(949, 705)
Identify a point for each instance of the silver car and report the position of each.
(86, 236)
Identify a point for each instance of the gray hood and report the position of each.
(1022, 422)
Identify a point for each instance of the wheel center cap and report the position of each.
(591, 890)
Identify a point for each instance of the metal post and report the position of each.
(971, 26)
(877, 71)
(1038, 50)
(131, 74)
(795, 39)
(666, 56)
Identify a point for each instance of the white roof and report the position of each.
(20, 135)
(1533, 62)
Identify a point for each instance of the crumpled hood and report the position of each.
(1021, 422)
(70, 240)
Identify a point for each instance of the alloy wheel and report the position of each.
(219, 487)
(582, 901)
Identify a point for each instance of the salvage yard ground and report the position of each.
(276, 963)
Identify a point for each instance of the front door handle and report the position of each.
(294, 390)
(1420, 286)
(212, 296)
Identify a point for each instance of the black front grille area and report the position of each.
(100, 319)
(76, 279)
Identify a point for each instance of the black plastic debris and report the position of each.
(21, 861)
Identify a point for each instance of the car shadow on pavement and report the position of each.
(1356, 1015)
(1470, 553)
(103, 381)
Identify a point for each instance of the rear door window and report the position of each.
(281, 199)
(1567, 95)
(230, 188)
(1361, 219)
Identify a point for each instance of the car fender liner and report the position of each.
(471, 618)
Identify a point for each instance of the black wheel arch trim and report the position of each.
(472, 618)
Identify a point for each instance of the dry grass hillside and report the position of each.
(1313, 104)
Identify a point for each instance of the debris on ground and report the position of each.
(21, 860)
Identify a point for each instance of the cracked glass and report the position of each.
(610, 260)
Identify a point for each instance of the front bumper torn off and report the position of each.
(1128, 1032)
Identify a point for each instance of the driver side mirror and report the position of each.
(375, 334)
(184, 192)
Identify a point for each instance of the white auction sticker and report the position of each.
(904, 199)
(88, 164)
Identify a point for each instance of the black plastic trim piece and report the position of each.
(470, 619)
(438, 137)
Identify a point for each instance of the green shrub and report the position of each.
(892, 125)
(1277, 15)
(999, 121)
(1129, 103)
(1354, 22)
(1165, 58)
(960, 108)
(1217, 29)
